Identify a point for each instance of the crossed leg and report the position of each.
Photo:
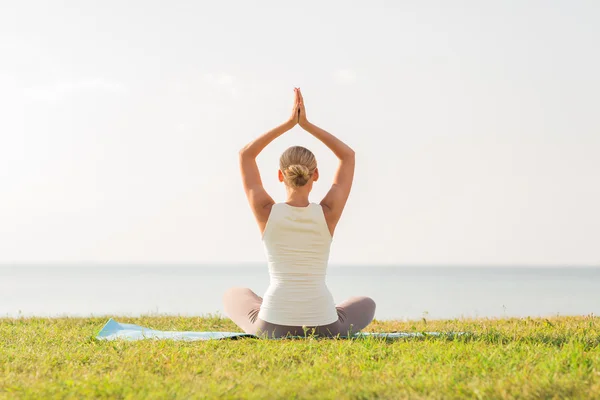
(242, 306)
(355, 314)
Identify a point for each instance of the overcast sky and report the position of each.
(476, 126)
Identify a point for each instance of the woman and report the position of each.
(297, 236)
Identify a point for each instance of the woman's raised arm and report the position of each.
(259, 199)
(335, 200)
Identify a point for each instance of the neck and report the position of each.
(297, 197)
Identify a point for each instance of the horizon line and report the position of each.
(258, 263)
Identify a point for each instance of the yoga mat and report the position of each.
(114, 330)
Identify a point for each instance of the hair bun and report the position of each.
(298, 165)
(298, 174)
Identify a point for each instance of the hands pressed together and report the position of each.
(298, 112)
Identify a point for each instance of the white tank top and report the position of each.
(297, 242)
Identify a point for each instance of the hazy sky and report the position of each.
(476, 126)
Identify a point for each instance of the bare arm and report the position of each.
(259, 199)
(335, 200)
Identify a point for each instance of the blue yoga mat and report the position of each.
(113, 330)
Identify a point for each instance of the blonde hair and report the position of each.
(297, 165)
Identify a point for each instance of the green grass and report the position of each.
(509, 358)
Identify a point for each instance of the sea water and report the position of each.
(401, 292)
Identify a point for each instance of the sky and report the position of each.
(475, 125)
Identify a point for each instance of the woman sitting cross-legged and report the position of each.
(297, 237)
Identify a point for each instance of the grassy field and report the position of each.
(509, 358)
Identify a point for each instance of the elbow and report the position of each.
(243, 153)
(246, 154)
(349, 155)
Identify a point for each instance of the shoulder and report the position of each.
(331, 218)
(323, 207)
(274, 208)
(277, 206)
(262, 214)
(320, 211)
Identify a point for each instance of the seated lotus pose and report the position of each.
(297, 237)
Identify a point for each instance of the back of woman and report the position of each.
(297, 236)
(297, 243)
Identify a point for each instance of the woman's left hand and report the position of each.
(296, 109)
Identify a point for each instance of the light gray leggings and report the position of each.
(242, 306)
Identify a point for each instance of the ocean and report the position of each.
(401, 292)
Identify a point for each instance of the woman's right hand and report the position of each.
(302, 121)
